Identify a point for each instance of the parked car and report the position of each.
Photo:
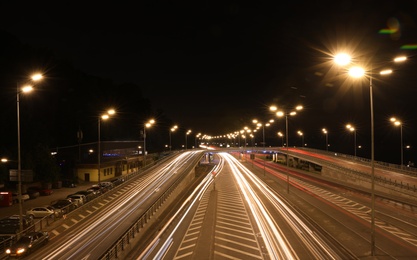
(89, 194)
(65, 205)
(79, 199)
(118, 181)
(33, 194)
(15, 197)
(97, 189)
(28, 243)
(44, 211)
(107, 184)
(10, 225)
(42, 191)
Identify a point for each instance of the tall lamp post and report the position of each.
(24, 89)
(175, 127)
(358, 72)
(282, 138)
(396, 122)
(324, 130)
(352, 129)
(186, 134)
(105, 116)
(300, 133)
(259, 124)
(147, 124)
(196, 138)
(281, 113)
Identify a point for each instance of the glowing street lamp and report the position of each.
(146, 125)
(105, 116)
(302, 137)
(282, 138)
(186, 134)
(281, 113)
(24, 89)
(175, 127)
(259, 125)
(352, 129)
(196, 138)
(396, 122)
(324, 130)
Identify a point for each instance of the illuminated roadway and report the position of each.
(317, 220)
(245, 212)
(96, 227)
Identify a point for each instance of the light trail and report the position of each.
(186, 206)
(87, 240)
(276, 243)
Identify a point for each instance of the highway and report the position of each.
(240, 208)
(91, 230)
(317, 220)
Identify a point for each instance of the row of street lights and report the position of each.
(344, 59)
(356, 72)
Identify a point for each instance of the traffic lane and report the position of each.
(101, 230)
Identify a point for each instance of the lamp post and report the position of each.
(300, 133)
(102, 117)
(352, 129)
(196, 138)
(175, 127)
(186, 134)
(281, 113)
(258, 125)
(147, 124)
(24, 89)
(396, 122)
(358, 72)
(282, 138)
(324, 130)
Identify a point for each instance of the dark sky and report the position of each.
(214, 66)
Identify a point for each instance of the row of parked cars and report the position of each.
(65, 205)
(34, 239)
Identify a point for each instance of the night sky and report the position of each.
(214, 66)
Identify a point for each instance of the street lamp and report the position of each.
(260, 124)
(24, 89)
(352, 129)
(281, 113)
(186, 134)
(324, 130)
(100, 118)
(396, 122)
(196, 138)
(282, 138)
(300, 133)
(147, 124)
(358, 72)
(175, 127)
